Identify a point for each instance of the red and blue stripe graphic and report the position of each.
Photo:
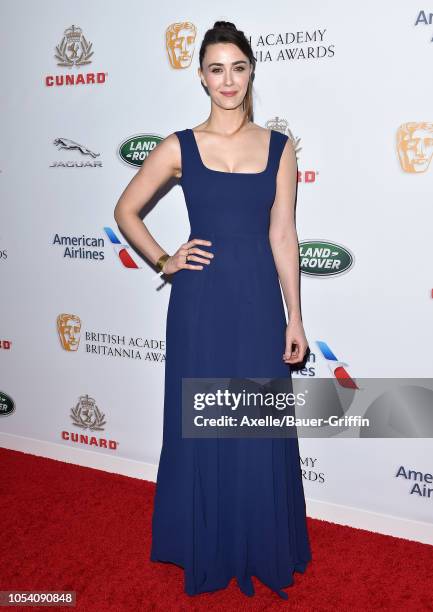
(121, 250)
(336, 366)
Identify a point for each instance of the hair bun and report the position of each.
(224, 25)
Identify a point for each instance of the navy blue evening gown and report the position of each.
(228, 507)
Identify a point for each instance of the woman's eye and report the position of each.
(239, 69)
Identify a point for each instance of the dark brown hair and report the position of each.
(227, 32)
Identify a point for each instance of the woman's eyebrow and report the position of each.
(221, 64)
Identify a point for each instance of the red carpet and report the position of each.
(66, 527)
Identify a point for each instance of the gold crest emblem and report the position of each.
(73, 50)
(282, 125)
(86, 414)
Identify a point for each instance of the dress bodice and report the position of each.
(228, 203)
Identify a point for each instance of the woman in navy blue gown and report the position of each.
(227, 507)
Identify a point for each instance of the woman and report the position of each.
(227, 507)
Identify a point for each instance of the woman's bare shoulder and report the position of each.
(172, 140)
(168, 152)
(259, 128)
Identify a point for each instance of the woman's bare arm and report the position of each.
(285, 248)
(282, 232)
(163, 163)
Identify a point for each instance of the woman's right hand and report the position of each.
(185, 253)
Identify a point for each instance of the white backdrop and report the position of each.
(341, 83)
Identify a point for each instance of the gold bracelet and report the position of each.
(161, 261)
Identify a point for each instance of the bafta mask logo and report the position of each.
(69, 328)
(73, 50)
(180, 40)
(86, 414)
(415, 146)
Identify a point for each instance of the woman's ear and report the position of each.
(200, 76)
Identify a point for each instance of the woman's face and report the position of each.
(226, 70)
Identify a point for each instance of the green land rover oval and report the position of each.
(320, 258)
(135, 149)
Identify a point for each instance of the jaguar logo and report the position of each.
(70, 145)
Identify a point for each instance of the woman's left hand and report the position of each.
(296, 342)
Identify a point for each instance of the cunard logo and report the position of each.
(281, 125)
(74, 51)
(86, 414)
(70, 145)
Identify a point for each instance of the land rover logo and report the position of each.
(7, 405)
(135, 150)
(317, 258)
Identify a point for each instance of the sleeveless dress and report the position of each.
(228, 507)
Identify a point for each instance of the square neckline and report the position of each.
(227, 171)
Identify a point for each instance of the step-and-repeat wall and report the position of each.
(88, 89)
